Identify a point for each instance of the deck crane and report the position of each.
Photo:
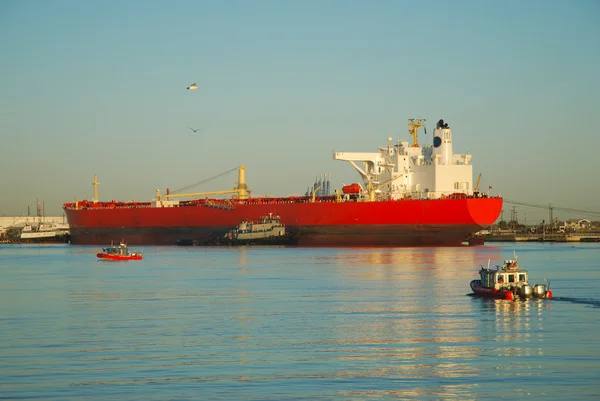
(371, 189)
(241, 191)
(314, 196)
(476, 189)
(413, 129)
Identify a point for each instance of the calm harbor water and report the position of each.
(270, 323)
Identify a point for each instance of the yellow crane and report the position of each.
(227, 191)
(314, 193)
(241, 189)
(476, 188)
(371, 188)
(413, 129)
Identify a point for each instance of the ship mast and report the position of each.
(413, 129)
(39, 211)
(242, 188)
(95, 184)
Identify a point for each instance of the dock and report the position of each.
(553, 237)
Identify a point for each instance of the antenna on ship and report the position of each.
(413, 129)
(95, 184)
(39, 210)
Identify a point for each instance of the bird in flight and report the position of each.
(195, 130)
(192, 86)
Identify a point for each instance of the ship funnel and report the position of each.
(242, 187)
(442, 143)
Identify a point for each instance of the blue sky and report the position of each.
(100, 88)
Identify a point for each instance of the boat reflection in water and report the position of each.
(399, 313)
(514, 327)
(398, 319)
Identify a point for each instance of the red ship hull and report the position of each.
(439, 222)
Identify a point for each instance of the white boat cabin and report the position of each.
(509, 278)
(120, 250)
(505, 277)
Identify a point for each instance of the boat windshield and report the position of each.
(117, 251)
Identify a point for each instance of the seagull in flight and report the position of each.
(192, 86)
(195, 130)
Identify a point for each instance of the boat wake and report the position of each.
(584, 301)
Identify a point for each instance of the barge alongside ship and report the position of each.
(268, 230)
(410, 196)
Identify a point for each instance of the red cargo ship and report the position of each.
(412, 196)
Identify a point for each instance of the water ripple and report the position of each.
(291, 324)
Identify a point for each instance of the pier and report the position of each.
(549, 237)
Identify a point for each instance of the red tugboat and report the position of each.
(508, 282)
(120, 252)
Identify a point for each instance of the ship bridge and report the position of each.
(401, 170)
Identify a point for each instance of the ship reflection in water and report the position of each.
(376, 322)
(398, 310)
(405, 317)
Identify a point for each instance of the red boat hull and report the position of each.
(439, 222)
(490, 292)
(106, 256)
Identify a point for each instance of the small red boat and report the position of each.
(120, 252)
(508, 282)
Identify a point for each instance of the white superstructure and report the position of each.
(403, 170)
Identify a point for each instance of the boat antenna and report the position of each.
(489, 261)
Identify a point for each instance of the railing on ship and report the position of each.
(83, 204)
(229, 204)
